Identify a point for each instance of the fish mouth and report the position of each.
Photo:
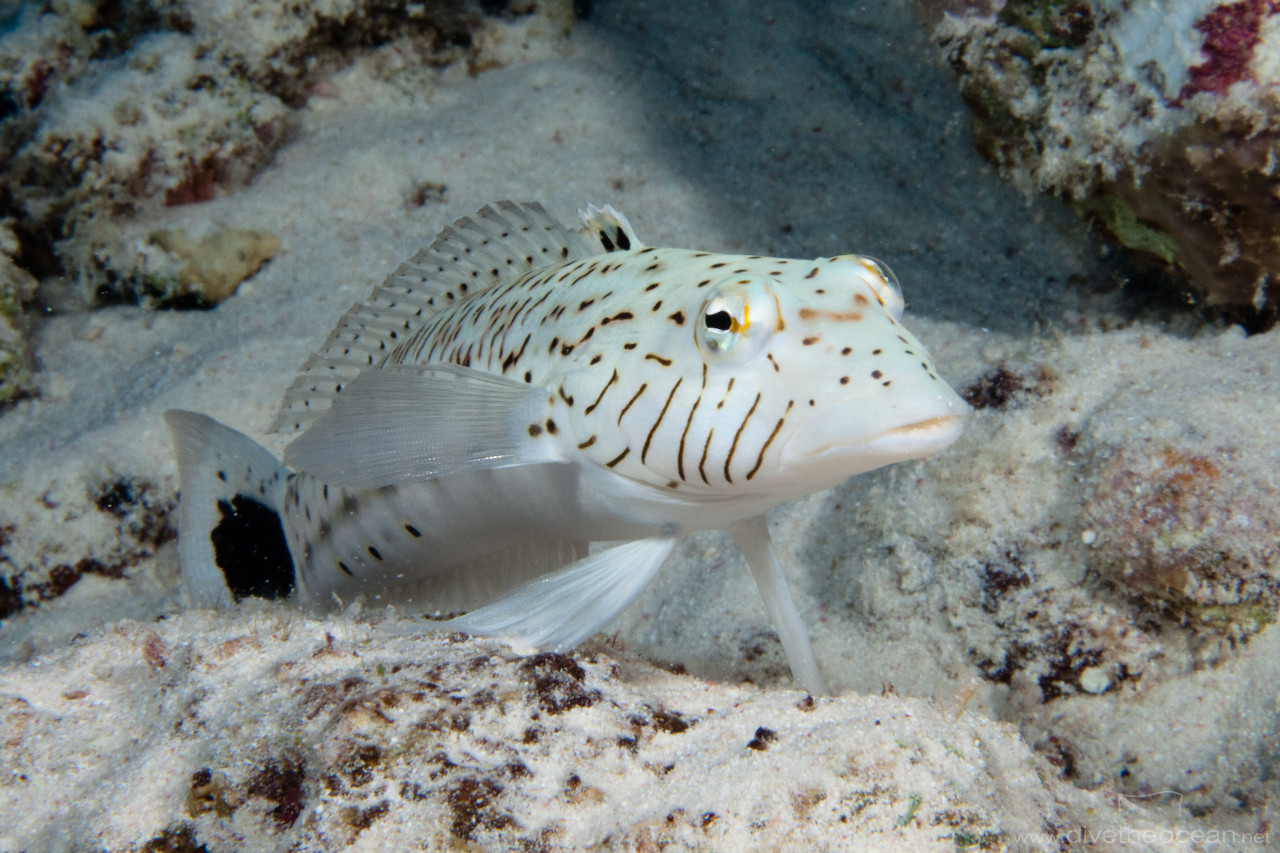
(841, 447)
(919, 438)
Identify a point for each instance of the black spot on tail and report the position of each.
(249, 546)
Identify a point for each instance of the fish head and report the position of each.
(755, 380)
(844, 387)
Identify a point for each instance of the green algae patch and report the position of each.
(1126, 227)
(1054, 23)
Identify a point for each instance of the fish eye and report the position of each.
(886, 286)
(718, 319)
(722, 320)
(736, 320)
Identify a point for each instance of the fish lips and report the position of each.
(839, 438)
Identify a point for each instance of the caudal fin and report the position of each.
(230, 535)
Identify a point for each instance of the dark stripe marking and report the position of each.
(592, 407)
(703, 461)
(632, 400)
(692, 411)
(644, 451)
(776, 429)
(720, 405)
(733, 448)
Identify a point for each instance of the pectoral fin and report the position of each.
(406, 423)
(559, 611)
(752, 538)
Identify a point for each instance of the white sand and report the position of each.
(773, 130)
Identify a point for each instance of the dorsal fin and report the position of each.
(610, 228)
(473, 254)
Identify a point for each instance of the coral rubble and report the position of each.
(109, 111)
(213, 268)
(16, 286)
(263, 730)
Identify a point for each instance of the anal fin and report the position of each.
(559, 611)
(494, 574)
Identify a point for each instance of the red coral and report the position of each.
(1230, 35)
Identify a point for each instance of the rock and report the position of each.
(213, 268)
(1159, 120)
(110, 112)
(16, 287)
(262, 728)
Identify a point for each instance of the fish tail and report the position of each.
(231, 536)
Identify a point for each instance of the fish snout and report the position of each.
(852, 436)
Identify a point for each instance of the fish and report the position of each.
(520, 390)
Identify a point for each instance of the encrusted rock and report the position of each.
(16, 287)
(210, 270)
(1159, 120)
(109, 109)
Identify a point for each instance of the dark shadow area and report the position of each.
(824, 128)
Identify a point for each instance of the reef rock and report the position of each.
(111, 111)
(1157, 119)
(266, 731)
(213, 268)
(16, 286)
